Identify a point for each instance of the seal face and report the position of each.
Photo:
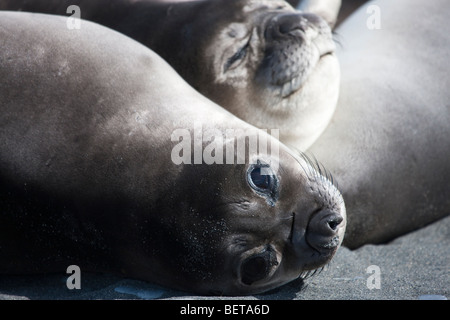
(279, 49)
(271, 66)
(87, 175)
(289, 240)
(257, 233)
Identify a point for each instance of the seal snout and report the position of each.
(322, 233)
(302, 26)
(284, 25)
(294, 43)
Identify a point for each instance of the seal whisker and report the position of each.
(310, 273)
(337, 38)
(317, 170)
(291, 233)
(321, 269)
(317, 271)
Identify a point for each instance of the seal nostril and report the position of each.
(285, 24)
(333, 225)
(335, 222)
(286, 28)
(322, 230)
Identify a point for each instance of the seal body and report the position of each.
(90, 172)
(268, 64)
(388, 144)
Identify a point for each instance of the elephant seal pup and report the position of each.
(388, 144)
(90, 124)
(265, 62)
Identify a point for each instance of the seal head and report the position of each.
(273, 67)
(252, 232)
(289, 240)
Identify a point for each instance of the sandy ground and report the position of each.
(415, 266)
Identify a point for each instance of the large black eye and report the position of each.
(264, 182)
(234, 60)
(259, 180)
(258, 266)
